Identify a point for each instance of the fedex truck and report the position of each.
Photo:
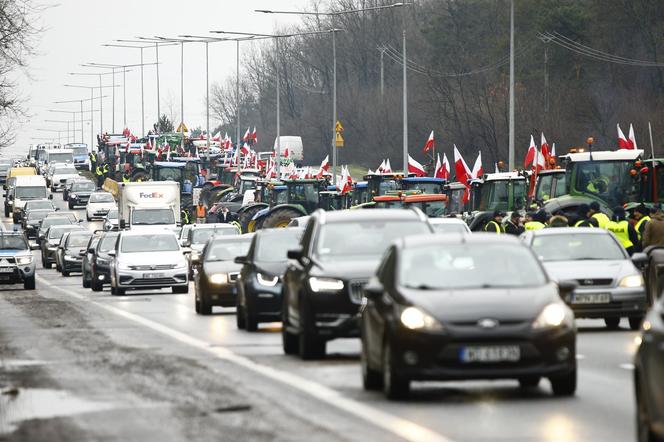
(149, 204)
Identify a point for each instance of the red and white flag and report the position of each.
(388, 167)
(531, 154)
(415, 167)
(346, 182)
(553, 150)
(623, 143)
(546, 152)
(254, 136)
(247, 135)
(245, 149)
(462, 172)
(324, 167)
(381, 167)
(632, 137)
(478, 170)
(430, 144)
(442, 169)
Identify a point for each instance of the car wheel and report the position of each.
(529, 382)
(372, 380)
(180, 289)
(29, 283)
(57, 267)
(635, 322)
(114, 291)
(289, 341)
(564, 385)
(70, 205)
(612, 323)
(85, 282)
(394, 386)
(643, 429)
(239, 318)
(47, 265)
(6, 212)
(250, 321)
(311, 346)
(65, 273)
(95, 285)
(206, 308)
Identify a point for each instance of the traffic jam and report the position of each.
(481, 278)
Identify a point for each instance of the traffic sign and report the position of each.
(339, 140)
(338, 127)
(182, 128)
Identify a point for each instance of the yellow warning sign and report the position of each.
(339, 141)
(339, 128)
(182, 128)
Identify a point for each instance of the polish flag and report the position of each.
(245, 149)
(531, 154)
(553, 150)
(415, 167)
(430, 144)
(247, 135)
(285, 153)
(216, 137)
(381, 167)
(442, 169)
(623, 143)
(546, 152)
(462, 172)
(254, 136)
(632, 138)
(388, 167)
(478, 171)
(325, 164)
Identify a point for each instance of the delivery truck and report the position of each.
(149, 204)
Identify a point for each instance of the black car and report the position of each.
(45, 204)
(322, 288)
(31, 221)
(462, 307)
(101, 261)
(80, 192)
(259, 283)
(68, 256)
(53, 219)
(216, 271)
(649, 376)
(86, 265)
(51, 240)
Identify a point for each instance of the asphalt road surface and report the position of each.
(80, 365)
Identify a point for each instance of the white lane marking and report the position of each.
(627, 366)
(401, 427)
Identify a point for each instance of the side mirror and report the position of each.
(639, 259)
(50, 196)
(374, 289)
(295, 254)
(82, 252)
(186, 243)
(566, 288)
(91, 250)
(112, 253)
(240, 260)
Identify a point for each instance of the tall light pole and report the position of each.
(49, 130)
(92, 98)
(60, 121)
(112, 68)
(511, 111)
(81, 101)
(335, 117)
(101, 101)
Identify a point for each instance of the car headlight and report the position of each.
(123, 266)
(554, 315)
(181, 265)
(70, 258)
(268, 281)
(631, 281)
(73, 195)
(103, 261)
(23, 260)
(415, 319)
(219, 278)
(325, 284)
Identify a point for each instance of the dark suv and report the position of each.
(100, 261)
(322, 287)
(79, 194)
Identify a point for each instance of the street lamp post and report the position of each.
(112, 68)
(511, 105)
(81, 102)
(91, 88)
(101, 101)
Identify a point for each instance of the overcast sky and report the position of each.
(76, 29)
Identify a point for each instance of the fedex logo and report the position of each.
(151, 195)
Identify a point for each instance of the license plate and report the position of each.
(153, 275)
(6, 269)
(591, 298)
(509, 353)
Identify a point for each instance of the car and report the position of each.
(184, 233)
(449, 225)
(86, 264)
(49, 221)
(68, 258)
(198, 234)
(463, 307)
(649, 376)
(35, 205)
(610, 285)
(59, 176)
(148, 259)
(68, 183)
(111, 220)
(259, 283)
(51, 240)
(17, 265)
(31, 221)
(80, 193)
(101, 261)
(99, 204)
(217, 271)
(4, 170)
(322, 285)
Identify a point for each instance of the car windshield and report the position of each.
(274, 246)
(61, 221)
(108, 243)
(65, 171)
(227, 250)
(36, 215)
(30, 192)
(61, 157)
(577, 247)
(200, 236)
(469, 266)
(149, 217)
(13, 242)
(78, 241)
(82, 150)
(101, 198)
(58, 231)
(4, 167)
(83, 187)
(609, 180)
(149, 243)
(449, 228)
(363, 239)
(32, 205)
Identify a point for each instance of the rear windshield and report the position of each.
(101, 198)
(82, 187)
(274, 246)
(78, 240)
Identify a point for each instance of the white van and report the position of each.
(60, 156)
(26, 188)
(294, 146)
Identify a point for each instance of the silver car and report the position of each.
(148, 259)
(609, 285)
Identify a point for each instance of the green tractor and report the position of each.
(303, 198)
(267, 196)
(504, 191)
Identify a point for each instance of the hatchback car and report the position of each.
(36, 205)
(465, 307)
(67, 187)
(99, 204)
(649, 376)
(86, 264)
(609, 284)
(51, 240)
(198, 234)
(217, 271)
(322, 288)
(101, 261)
(259, 284)
(68, 257)
(31, 221)
(17, 264)
(79, 193)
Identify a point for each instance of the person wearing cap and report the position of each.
(496, 224)
(583, 218)
(653, 234)
(537, 221)
(513, 226)
(624, 231)
(595, 212)
(640, 215)
(558, 221)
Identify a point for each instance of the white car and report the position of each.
(99, 204)
(60, 175)
(449, 225)
(111, 221)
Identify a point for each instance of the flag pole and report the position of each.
(652, 145)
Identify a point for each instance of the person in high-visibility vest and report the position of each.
(184, 214)
(583, 218)
(596, 213)
(99, 173)
(624, 231)
(126, 178)
(496, 224)
(640, 214)
(537, 221)
(201, 213)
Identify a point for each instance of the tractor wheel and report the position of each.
(280, 218)
(245, 217)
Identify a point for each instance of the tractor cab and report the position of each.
(426, 185)
(504, 191)
(303, 197)
(192, 170)
(332, 199)
(550, 184)
(433, 205)
(360, 193)
(455, 198)
(381, 184)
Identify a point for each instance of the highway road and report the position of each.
(145, 366)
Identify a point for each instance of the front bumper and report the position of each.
(49, 254)
(101, 273)
(14, 273)
(79, 200)
(265, 302)
(433, 356)
(625, 302)
(72, 264)
(223, 295)
(335, 313)
(139, 279)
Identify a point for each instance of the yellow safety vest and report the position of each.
(497, 229)
(602, 220)
(98, 171)
(534, 225)
(621, 230)
(638, 224)
(578, 224)
(125, 179)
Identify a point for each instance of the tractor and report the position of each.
(550, 184)
(303, 197)
(433, 205)
(360, 194)
(265, 197)
(427, 185)
(504, 191)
